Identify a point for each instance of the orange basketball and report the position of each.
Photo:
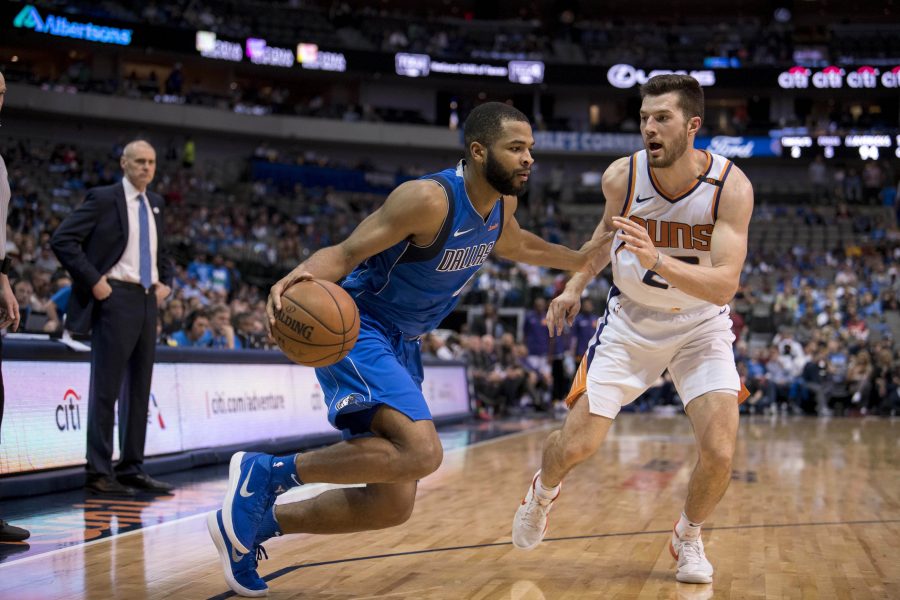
(318, 323)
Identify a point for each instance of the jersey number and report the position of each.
(652, 278)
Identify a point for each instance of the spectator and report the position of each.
(173, 316)
(62, 283)
(584, 328)
(859, 380)
(537, 337)
(818, 181)
(249, 330)
(196, 332)
(222, 332)
(36, 316)
(189, 153)
(489, 322)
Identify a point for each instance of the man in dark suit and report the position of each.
(112, 246)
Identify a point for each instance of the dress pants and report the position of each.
(123, 348)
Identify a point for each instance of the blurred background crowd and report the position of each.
(816, 318)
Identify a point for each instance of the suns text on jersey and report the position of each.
(457, 259)
(672, 234)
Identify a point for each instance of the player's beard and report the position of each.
(678, 148)
(502, 180)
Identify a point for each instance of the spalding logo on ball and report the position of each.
(299, 327)
(318, 323)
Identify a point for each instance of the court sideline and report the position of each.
(813, 512)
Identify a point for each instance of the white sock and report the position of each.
(545, 493)
(685, 529)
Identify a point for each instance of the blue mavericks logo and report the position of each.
(30, 18)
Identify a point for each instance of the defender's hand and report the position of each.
(562, 310)
(594, 253)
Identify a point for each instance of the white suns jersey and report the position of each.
(680, 226)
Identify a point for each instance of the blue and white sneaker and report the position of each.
(248, 497)
(240, 569)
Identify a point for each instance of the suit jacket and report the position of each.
(91, 240)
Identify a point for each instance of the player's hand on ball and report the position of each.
(273, 304)
(563, 308)
(638, 242)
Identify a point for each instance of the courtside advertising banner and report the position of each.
(446, 390)
(229, 404)
(45, 417)
(192, 406)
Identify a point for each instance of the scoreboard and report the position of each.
(852, 146)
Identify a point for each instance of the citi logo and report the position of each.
(298, 327)
(68, 415)
(154, 406)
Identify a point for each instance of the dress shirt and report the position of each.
(129, 266)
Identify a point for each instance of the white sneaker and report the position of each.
(692, 564)
(530, 522)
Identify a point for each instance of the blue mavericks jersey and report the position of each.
(412, 288)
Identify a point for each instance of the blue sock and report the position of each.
(284, 473)
(268, 527)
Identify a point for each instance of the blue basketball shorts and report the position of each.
(384, 367)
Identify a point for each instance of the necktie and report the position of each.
(146, 267)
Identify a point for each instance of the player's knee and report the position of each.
(576, 450)
(398, 513)
(717, 456)
(428, 457)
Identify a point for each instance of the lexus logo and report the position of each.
(625, 76)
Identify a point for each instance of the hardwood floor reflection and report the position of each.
(813, 511)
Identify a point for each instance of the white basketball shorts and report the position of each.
(634, 345)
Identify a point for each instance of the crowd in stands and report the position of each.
(816, 331)
(449, 32)
(249, 95)
(580, 34)
(816, 319)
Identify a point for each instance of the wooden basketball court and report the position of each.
(813, 511)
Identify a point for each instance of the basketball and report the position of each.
(318, 323)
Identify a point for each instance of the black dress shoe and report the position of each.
(11, 533)
(107, 486)
(144, 483)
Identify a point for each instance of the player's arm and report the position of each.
(564, 307)
(519, 245)
(415, 210)
(728, 248)
(615, 186)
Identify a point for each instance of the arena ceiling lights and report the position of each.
(526, 72)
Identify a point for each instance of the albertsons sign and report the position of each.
(30, 18)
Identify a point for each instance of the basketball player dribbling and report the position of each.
(405, 266)
(680, 218)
